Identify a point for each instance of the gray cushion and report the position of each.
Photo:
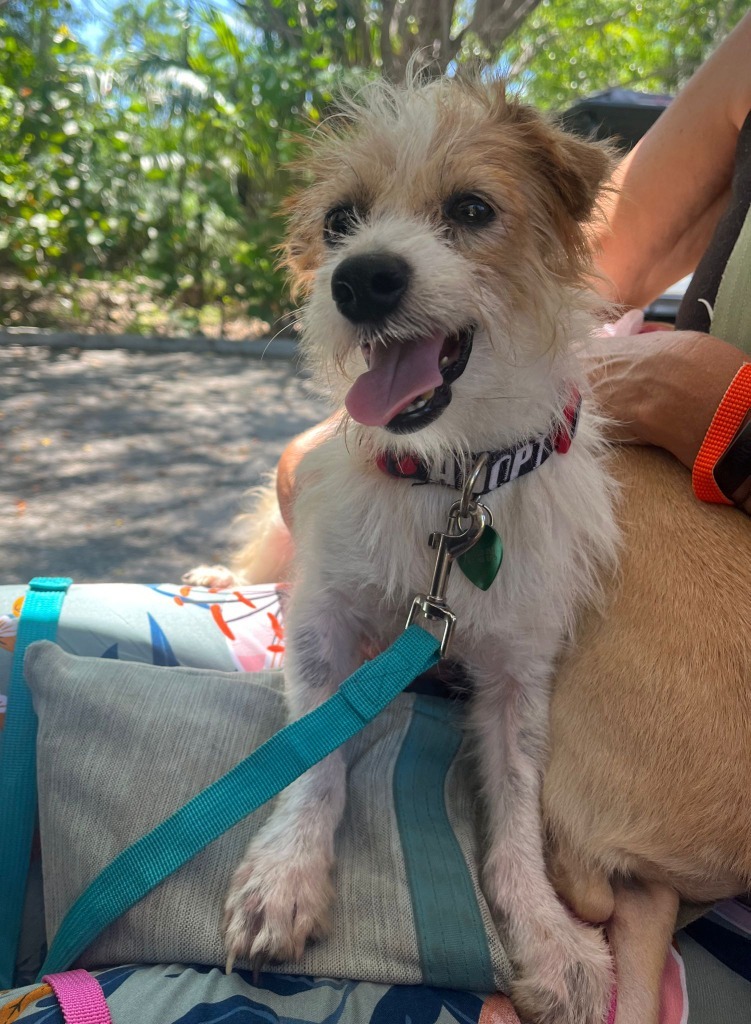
(122, 745)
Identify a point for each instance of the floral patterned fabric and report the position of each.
(176, 994)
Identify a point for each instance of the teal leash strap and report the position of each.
(268, 770)
(18, 791)
(451, 937)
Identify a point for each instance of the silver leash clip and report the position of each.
(450, 545)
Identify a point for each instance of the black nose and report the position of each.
(367, 288)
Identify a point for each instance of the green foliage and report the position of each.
(48, 139)
(572, 48)
(164, 153)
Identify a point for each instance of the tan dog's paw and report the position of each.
(275, 906)
(217, 577)
(566, 979)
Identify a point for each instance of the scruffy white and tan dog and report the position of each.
(441, 250)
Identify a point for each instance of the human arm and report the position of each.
(672, 188)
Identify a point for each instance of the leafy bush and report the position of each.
(163, 155)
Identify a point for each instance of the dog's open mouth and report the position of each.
(408, 384)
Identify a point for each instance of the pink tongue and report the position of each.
(398, 374)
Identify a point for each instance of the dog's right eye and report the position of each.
(338, 222)
(469, 210)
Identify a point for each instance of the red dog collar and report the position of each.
(503, 466)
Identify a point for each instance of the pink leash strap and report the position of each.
(80, 997)
(613, 1007)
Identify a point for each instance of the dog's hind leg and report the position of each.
(563, 966)
(265, 557)
(586, 890)
(640, 933)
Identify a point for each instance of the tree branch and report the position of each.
(363, 30)
(271, 21)
(493, 24)
(387, 47)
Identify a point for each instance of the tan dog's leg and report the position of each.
(640, 934)
(585, 890)
(265, 558)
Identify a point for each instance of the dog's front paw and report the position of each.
(275, 905)
(563, 978)
(217, 577)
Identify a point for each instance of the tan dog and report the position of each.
(443, 254)
(647, 792)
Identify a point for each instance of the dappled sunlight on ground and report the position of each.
(131, 467)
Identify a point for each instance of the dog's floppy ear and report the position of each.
(576, 169)
(579, 170)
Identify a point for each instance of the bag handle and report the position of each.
(80, 997)
(18, 791)
(268, 770)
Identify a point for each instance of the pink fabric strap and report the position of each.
(613, 1007)
(80, 996)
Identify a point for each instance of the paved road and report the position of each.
(131, 467)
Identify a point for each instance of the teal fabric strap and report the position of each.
(450, 931)
(18, 792)
(269, 769)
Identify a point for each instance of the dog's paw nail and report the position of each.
(274, 908)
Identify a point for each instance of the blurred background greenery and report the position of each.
(143, 146)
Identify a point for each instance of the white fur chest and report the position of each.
(364, 536)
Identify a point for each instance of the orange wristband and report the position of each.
(725, 424)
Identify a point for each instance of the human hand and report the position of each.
(660, 387)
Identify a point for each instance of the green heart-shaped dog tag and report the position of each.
(481, 563)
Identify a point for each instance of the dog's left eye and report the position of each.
(469, 210)
(338, 222)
